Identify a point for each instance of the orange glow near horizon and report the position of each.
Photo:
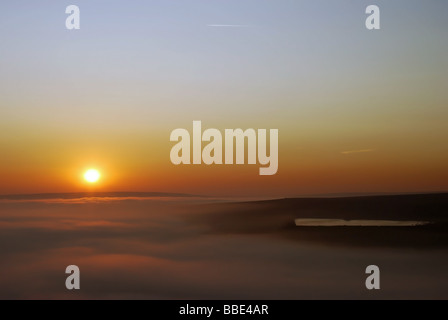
(313, 169)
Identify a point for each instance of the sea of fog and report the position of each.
(151, 249)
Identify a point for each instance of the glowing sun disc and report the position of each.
(92, 175)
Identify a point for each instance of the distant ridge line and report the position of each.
(76, 195)
(139, 194)
(363, 194)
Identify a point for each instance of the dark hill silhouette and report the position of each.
(277, 217)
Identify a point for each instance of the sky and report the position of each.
(357, 110)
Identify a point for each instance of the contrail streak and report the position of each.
(228, 25)
(356, 151)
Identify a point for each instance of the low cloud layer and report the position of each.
(152, 249)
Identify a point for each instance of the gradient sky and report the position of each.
(357, 110)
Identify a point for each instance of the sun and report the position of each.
(92, 175)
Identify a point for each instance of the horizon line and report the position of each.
(144, 194)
